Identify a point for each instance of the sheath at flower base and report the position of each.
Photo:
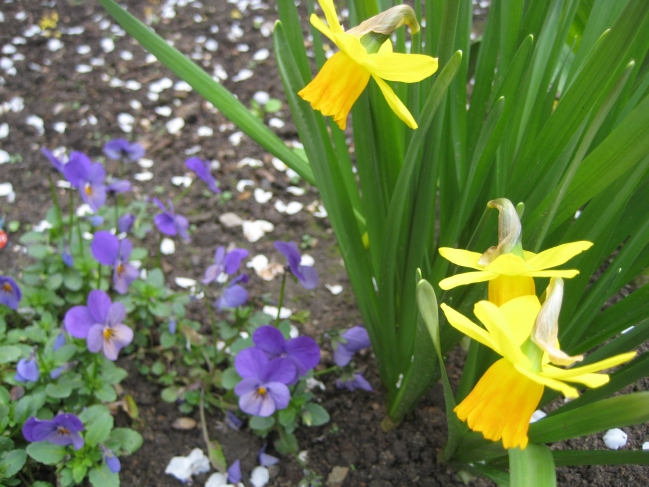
(504, 399)
(345, 75)
(508, 268)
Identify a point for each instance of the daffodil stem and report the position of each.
(281, 299)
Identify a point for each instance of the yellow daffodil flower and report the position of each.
(508, 268)
(345, 75)
(502, 402)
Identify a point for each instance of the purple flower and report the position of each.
(117, 149)
(266, 460)
(96, 220)
(233, 421)
(233, 295)
(202, 169)
(125, 222)
(62, 430)
(172, 325)
(110, 459)
(263, 388)
(10, 294)
(307, 276)
(60, 341)
(116, 186)
(302, 351)
(100, 323)
(224, 263)
(168, 222)
(354, 381)
(234, 473)
(27, 369)
(66, 255)
(109, 250)
(88, 178)
(56, 162)
(353, 340)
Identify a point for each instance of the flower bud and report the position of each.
(546, 327)
(509, 230)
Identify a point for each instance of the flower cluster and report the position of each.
(225, 265)
(110, 251)
(10, 294)
(519, 328)
(345, 346)
(269, 367)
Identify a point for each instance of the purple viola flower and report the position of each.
(117, 186)
(263, 388)
(27, 369)
(109, 250)
(302, 351)
(100, 323)
(352, 382)
(66, 254)
(224, 263)
(96, 220)
(88, 178)
(234, 473)
(232, 421)
(63, 430)
(169, 223)
(10, 294)
(59, 341)
(117, 149)
(56, 162)
(233, 295)
(202, 169)
(352, 340)
(307, 276)
(110, 459)
(125, 222)
(266, 460)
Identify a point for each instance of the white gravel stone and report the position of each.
(615, 438)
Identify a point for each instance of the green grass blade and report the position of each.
(209, 89)
(531, 467)
(573, 458)
(615, 412)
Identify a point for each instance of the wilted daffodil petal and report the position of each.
(504, 399)
(345, 75)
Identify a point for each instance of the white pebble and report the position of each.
(167, 246)
(261, 97)
(538, 414)
(262, 196)
(211, 45)
(83, 49)
(133, 85)
(163, 111)
(278, 164)
(254, 230)
(36, 122)
(272, 311)
(143, 176)
(335, 289)
(4, 130)
(107, 44)
(126, 55)
(182, 86)
(235, 138)
(615, 438)
(204, 131)
(251, 162)
(242, 75)
(135, 104)
(294, 190)
(261, 55)
(276, 123)
(4, 157)
(175, 125)
(125, 119)
(241, 185)
(307, 260)
(84, 68)
(54, 44)
(60, 126)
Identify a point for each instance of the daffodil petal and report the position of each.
(558, 255)
(352, 46)
(567, 374)
(500, 331)
(397, 105)
(336, 87)
(464, 258)
(565, 389)
(522, 312)
(329, 11)
(566, 274)
(406, 68)
(591, 380)
(322, 27)
(466, 278)
(386, 47)
(468, 327)
(509, 265)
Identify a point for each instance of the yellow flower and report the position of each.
(509, 275)
(502, 402)
(345, 75)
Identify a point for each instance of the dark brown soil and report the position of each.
(56, 92)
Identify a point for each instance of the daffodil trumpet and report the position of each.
(524, 333)
(508, 268)
(345, 75)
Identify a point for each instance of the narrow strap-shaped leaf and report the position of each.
(496, 475)
(615, 412)
(531, 467)
(209, 89)
(290, 19)
(573, 458)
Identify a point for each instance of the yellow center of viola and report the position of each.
(6, 287)
(62, 431)
(88, 190)
(120, 269)
(262, 391)
(108, 333)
